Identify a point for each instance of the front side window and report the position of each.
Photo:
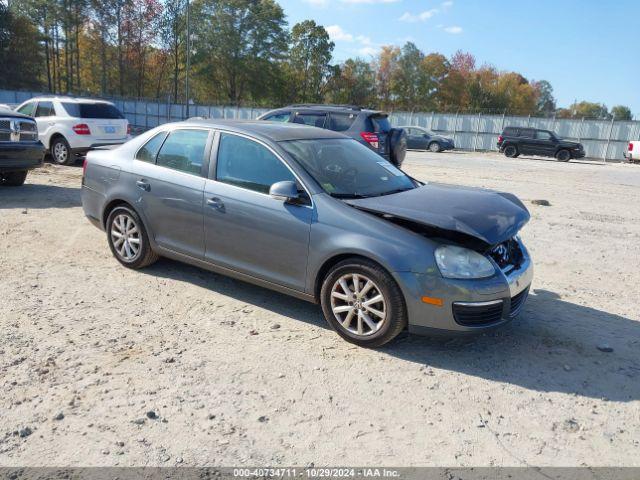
(27, 109)
(184, 151)
(248, 164)
(526, 133)
(345, 168)
(279, 117)
(149, 151)
(311, 119)
(341, 122)
(45, 109)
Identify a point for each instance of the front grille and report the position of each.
(18, 130)
(517, 302)
(471, 315)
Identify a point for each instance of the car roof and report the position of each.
(275, 131)
(329, 108)
(63, 98)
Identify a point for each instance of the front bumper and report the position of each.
(16, 156)
(578, 153)
(504, 293)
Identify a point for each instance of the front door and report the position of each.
(248, 231)
(169, 179)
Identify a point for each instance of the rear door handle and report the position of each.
(143, 185)
(216, 203)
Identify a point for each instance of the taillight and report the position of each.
(371, 138)
(500, 139)
(128, 129)
(631, 146)
(81, 129)
(84, 168)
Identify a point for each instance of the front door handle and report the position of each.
(143, 185)
(216, 203)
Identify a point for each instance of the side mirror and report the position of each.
(286, 191)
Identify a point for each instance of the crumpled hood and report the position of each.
(489, 216)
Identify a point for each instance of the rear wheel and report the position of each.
(511, 151)
(434, 147)
(363, 303)
(563, 155)
(61, 152)
(128, 239)
(13, 179)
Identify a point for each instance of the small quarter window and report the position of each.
(149, 151)
(183, 150)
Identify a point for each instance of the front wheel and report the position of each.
(13, 179)
(563, 155)
(363, 303)
(434, 147)
(128, 239)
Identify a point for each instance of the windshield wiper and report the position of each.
(350, 196)
(391, 192)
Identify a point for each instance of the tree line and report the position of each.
(243, 52)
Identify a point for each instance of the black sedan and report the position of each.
(20, 149)
(419, 138)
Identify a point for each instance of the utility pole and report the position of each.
(186, 77)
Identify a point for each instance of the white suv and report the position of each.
(69, 127)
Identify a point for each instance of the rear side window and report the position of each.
(184, 150)
(27, 109)
(279, 117)
(149, 151)
(45, 109)
(92, 110)
(380, 124)
(311, 119)
(511, 132)
(247, 164)
(341, 122)
(526, 133)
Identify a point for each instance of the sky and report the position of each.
(588, 49)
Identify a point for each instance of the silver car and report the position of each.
(316, 215)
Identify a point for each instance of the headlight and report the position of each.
(458, 262)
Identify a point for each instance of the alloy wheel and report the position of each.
(125, 236)
(434, 147)
(358, 304)
(60, 152)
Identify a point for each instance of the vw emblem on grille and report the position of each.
(14, 126)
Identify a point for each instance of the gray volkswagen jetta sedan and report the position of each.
(314, 214)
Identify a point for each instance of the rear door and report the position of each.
(526, 141)
(45, 119)
(169, 175)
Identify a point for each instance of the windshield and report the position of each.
(345, 168)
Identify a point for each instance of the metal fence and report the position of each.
(602, 139)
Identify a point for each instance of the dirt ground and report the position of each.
(100, 365)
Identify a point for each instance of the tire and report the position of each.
(61, 152)
(359, 324)
(120, 225)
(563, 155)
(13, 179)
(434, 147)
(511, 151)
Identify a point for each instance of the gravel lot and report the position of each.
(100, 365)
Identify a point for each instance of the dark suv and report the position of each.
(20, 149)
(369, 127)
(515, 141)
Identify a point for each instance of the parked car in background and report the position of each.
(420, 138)
(369, 127)
(633, 151)
(20, 149)
(316, 215)
(516, 141)
(69, 127)
(4, 106)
